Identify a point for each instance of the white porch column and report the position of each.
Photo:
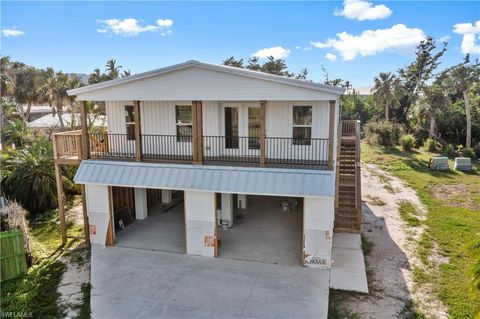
(200, 222)
(141, 204)
(227, 209)
(98, 211)
(318, 216)
(166, 196)
(242, 201)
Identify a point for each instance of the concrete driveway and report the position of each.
(135, 283)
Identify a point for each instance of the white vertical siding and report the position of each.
(279, 123)
(318, 215)
(200, 223)
(158, 118)
(98, 212)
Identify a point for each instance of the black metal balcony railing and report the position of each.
(167, 147)
(279, 151)
(297, 151)
(237, 149)
(114, 146)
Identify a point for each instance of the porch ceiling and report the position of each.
(240, 180)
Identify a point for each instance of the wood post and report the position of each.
(263, 111)
(331, 133)
(84, 127)
(61, 208)
(86, 224)
(138, 131)
(197, 130)
(110, 240)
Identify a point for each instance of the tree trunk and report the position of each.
(60, 116)
(468, 114)
(27, 112)
(433, 124)
(387, 111)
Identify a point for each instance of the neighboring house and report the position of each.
(361, 90)
(229, 143)
(50, 123)
(37, 111)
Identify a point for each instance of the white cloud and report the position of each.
(131, 27)
(167, 23)
(470, 34)
(445, 38)
(399, 38)
(331, 57)
(12, 33)
(277, 52)
(363, 10)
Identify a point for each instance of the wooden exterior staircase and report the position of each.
(348, 203)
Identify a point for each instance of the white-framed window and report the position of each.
(130, 122)
(183, 120)
(302, 125)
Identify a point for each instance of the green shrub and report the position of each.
(407, 142)
(468, 152)
(449, 150)
(430, 145)
(383, 133)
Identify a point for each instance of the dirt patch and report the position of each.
(456, 195)
(393, 258)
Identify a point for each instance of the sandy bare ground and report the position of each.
(392, 259)
(77, 273)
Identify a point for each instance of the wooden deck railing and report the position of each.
(349, 127)
(68, 145)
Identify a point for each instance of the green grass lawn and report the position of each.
(453, 221)
(35, 295)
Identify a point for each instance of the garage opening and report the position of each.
(153, 219)
(260, 228)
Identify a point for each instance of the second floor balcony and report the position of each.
(253, 150)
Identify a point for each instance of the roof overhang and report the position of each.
(237, 180)
(95, 89)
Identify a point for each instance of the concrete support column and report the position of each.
(242, 201)
(166, 196)
(318, 216)
(227, 209)
(200, 220)
(99, 212)
(141, 203)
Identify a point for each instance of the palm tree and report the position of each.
(432, 100)
(28, 177)
(461, 77)
(384, 91)
(55, 91)
(96, 76)
(16, 133)
(27, 87)
(113, 70)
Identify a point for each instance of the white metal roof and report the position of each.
(94, 89)
(51, 120)
(240, 180)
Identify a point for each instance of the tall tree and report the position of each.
(253, 64)
(417, 74)
(429, 104)
(232, 61)
(27, 87)
(384, 92)
(55, 92)
(112, 69)
(96, 77)
(462, 77)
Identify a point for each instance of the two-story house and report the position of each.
(217, 161)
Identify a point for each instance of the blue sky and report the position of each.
(379, 35)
